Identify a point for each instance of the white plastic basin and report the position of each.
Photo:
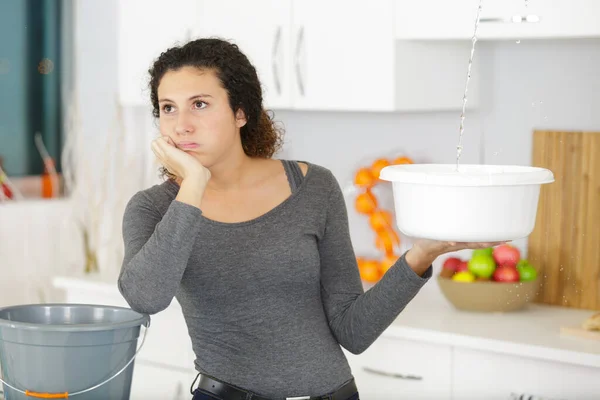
(477, 203)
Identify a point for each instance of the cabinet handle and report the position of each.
(274, 54)
(299, 44)
(522, 396)
(515, 19)
(392, 374)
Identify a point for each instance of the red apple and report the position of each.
(506, 255)
(462, 266)
(451, 263)
(506, 274)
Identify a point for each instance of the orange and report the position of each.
(387, 262)
(380, 220)
(403, 160)
(386, 240)
(364, 178)
(366, 202)
(360, 261)
(370, 271)
(378, 165)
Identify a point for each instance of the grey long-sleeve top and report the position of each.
(269, 301)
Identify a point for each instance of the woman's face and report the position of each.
(195, 114)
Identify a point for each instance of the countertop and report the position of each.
(531, 332)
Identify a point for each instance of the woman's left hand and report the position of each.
(425, 251)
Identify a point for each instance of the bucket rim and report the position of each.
(142, 319)
(480, 175)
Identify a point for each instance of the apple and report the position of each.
(463, 276)
(506, 274)
(506, 255)
(482, 265)
(487, 251)
(451, 263)
(526, 271)
(463, 266)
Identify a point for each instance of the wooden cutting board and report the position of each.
(565, 243)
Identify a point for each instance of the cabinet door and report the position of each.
(146, 28)
(402, 369)
(506, 19)
(436, 19)
(261, 28)
(343, 55)
(155, 382)
(491, 376)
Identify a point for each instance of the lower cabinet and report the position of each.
(156, 382)
(394, 368)
(403, 369)
(494, 376)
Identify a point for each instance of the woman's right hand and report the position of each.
(178, 162)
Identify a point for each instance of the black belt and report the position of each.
(229, 392)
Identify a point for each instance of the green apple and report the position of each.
(526, 272)
(482, 265)
(487, 251)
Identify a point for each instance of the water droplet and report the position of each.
(518, 41)
(561, 269)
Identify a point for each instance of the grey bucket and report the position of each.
(84, 350)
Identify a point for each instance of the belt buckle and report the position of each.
(298, 398)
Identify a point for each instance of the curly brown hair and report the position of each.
(260, 135)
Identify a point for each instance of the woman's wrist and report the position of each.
(419, 260)
(191, 191)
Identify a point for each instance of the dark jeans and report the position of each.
(203, 396)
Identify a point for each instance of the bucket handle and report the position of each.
(65, 395)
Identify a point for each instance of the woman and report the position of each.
(256, 250)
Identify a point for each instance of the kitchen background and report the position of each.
(409, 106)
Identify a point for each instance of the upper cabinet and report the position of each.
(342, 55)
(339, 56)
(335, 55)
(262, 30)
(309, 54)
(499, 19)
(145, 28)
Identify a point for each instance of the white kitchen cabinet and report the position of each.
(403, 369)
(499, 19)
(145, 28)
(261, 28)
(340, 56)
(343, 55)
(493, 376)
(154, 382)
